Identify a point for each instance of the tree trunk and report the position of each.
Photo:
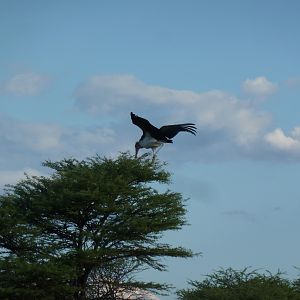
(80, 285)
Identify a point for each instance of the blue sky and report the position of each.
(71, 72)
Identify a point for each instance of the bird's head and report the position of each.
(137, 148)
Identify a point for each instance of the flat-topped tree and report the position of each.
(88, 215)
(231, 284)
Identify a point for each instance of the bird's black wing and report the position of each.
(144, 124)
(171, 130)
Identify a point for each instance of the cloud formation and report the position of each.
(12, 176)
(283, 143)
(32, 142)
(25, 145)
(259, 87)
(25, 84)
(227, 126)
(213, 111)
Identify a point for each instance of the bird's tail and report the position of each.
(188, 127)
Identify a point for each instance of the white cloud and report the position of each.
(88, 141)
(25, 84)
(296, 133)
(226, 126)
(12, 176)
(26, 144)
(214, 110)
(29, 140)
(43, 137)
(280, 141)
(103, 94)
(32, 136)
(260, 87)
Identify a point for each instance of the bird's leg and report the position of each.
(153, 154)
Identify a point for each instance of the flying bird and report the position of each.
(154, 138)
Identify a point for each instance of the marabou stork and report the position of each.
(154, 138)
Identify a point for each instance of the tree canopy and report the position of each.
(96, 218)
(230, 284)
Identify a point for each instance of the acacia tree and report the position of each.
(116, 281)
(230, 284)
(58, 230)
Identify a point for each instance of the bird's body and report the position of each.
(147, 141)
(154, 138)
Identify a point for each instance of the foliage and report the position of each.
(87, 216)
(116, 280)
(21, 279)
(233, 284)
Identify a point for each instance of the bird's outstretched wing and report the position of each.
(171, 130)
(144, 124)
